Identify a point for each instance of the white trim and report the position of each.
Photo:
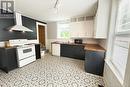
(45, 25)
(105, 81)
(114, 70)
(112, 27)
(119, 31)
(123, 32)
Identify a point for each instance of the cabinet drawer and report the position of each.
(26, 61)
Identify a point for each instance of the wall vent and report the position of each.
(78, 19)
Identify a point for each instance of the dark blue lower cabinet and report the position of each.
(38, 51)
(73, 51)
(94, 62)
(8, 59)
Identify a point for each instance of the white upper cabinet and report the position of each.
(82, 29)
(101, 20)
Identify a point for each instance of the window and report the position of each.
(63, 30)
(124, 16)
(120, 55)
(120, 46)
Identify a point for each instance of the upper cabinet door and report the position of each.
(89, 28)
(102, 19)
(82, 29)
(74, 29)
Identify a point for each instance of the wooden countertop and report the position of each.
(91, 47)
(94, 47)
(69, 43)
(9, 47)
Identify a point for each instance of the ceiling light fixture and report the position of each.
(56, 6)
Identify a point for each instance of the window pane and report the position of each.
(63, 30)
(120, 55)
(124, 16)
(126, 26)
(121, 46)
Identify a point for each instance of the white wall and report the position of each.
(52, 30)
(103, 43)
(110, 78)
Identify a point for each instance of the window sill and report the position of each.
(116, 73)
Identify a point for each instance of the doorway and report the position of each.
(42, 36)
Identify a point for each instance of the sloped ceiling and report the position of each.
(43, 10)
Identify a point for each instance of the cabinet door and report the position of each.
(56, 49)
(94, 62)
(37, 51)
(82, 29)
(73, 51)
(75, 29)
(88, 29)
(102, 19)
(11, 59)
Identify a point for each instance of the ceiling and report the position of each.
(43, 10)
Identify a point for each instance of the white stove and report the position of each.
(25, 51)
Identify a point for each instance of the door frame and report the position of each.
(45, 25)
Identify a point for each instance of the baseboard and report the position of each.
(105, 82)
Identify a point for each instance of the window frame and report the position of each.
(61, 22)
(112, 37)
(117, 30)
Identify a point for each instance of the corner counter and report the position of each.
(93, 54)
(94, 47)
(94, 59)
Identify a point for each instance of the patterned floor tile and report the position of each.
(51, 71)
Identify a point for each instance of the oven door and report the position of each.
(25, 52)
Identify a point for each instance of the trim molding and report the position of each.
(45, 25)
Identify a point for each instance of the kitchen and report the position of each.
(18, 52)
(55, 44)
